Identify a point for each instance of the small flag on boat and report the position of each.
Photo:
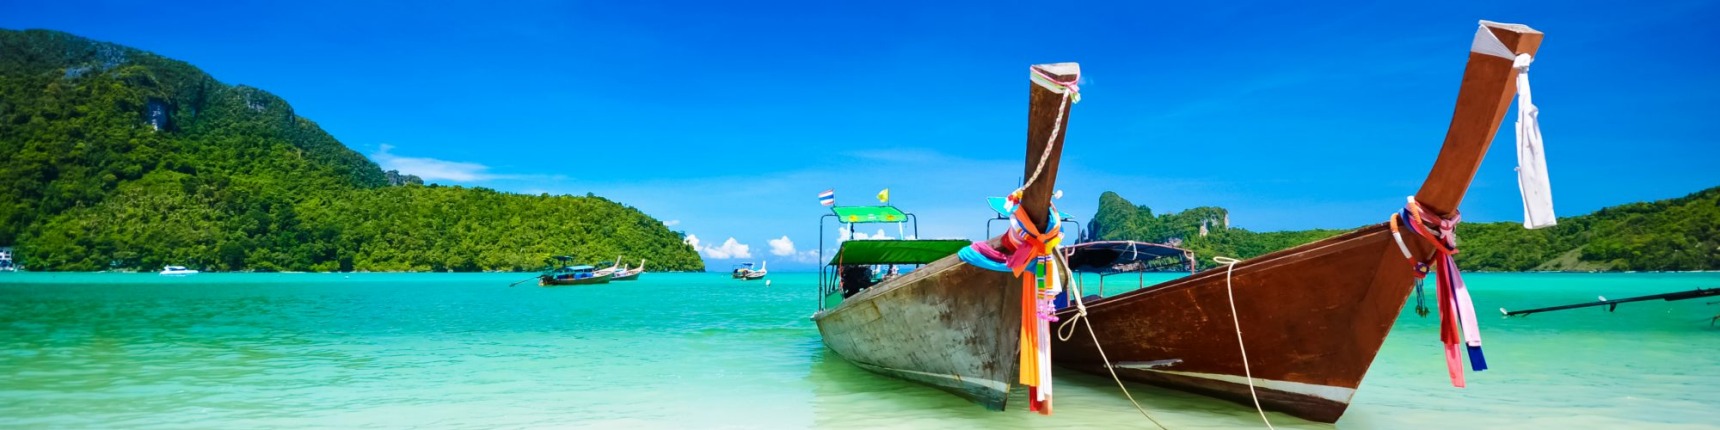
(884, 196)
(827, 198)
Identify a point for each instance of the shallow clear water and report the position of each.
(704, 351)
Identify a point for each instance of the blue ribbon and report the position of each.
(976, 259)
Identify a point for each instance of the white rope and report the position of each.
(1231, 267)
(1081, 314)
(1044, 156)
(1398, 236)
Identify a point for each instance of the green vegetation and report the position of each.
(1674, 234)
(119, 158)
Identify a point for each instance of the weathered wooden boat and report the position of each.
(571, 275)
(1312, 317)
(947, 324)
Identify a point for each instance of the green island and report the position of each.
(1679, 234)
(120, 159)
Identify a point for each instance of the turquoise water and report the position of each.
(703, 351)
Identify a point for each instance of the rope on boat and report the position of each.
(1031, 254)
(1071, 93)
(1230, 266)
(1081, 315)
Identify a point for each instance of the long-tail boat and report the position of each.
(949, 324)
(629, 273)
(1312, 317)
(572, 275)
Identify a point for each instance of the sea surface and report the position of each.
(704, 351)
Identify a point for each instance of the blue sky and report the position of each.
(725, 119)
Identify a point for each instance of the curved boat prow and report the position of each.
(949, 324)
(1312, 317)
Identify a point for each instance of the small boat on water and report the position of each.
(746, 272)
(948, 324)
(177, 270)
(628, 274)
(1312, 317)
(571, 275)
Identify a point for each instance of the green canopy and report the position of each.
(865, 214)
(864, 252)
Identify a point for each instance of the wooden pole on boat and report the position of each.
(1045, 106)
(1489, 84)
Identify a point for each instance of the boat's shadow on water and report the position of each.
(847, 396)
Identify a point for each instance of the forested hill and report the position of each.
(116, 158)
(1673, 234)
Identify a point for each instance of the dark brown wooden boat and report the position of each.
(948, 324)
(1312, 317)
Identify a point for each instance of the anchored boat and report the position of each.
(947, 324)
(629, 274)
(177, 271)
(620, 272)
(571, 275)
(746, 272)
(1311, 317)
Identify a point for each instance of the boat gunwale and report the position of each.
(1262, 262)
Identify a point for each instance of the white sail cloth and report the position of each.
(1532, 177)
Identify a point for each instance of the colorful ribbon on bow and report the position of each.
(1029, 253)
(1457, 322)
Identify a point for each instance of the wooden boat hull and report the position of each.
(948, 325)
(549, 282)
(626, 277)
(1312, 317)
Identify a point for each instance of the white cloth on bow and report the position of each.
(1532, 178)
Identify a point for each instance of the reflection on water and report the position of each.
(697, 350)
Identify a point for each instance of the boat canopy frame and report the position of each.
(853, 216)
(1120, 257)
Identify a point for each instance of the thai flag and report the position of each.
(827, 198)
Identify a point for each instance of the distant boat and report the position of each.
(1312, 317)
(572, 275)
(177, 270)
(612, 269)
(6, 263)
(627, 274)
(745, 272)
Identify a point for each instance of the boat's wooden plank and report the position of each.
(1044, 109)
(1489, 84)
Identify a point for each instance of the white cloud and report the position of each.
(842, 235)
(671, 223)
(431, 169)
(729, 249)
(782, 246)
(692, 240)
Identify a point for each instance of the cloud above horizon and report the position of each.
(784, 247)
(431, 169)
(729, 249)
